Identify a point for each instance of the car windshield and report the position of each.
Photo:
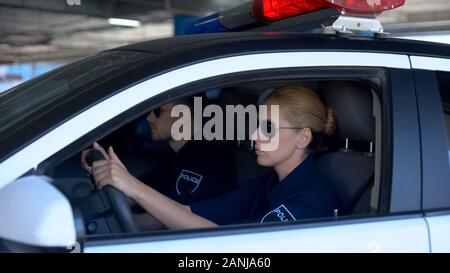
(25, 102)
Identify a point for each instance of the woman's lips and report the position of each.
(258, 150)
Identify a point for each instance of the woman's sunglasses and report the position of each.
(269, 129)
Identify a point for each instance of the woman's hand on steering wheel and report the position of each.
(111, 171)
(99, 148)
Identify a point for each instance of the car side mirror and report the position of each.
(36, 217)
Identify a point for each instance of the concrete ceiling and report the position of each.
(32, 30)
(418, 15)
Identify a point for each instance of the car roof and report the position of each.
(254, 41)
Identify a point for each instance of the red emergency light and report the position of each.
(272, 10)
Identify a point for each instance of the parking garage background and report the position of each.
(38, 36)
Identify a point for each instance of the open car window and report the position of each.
(336, 157)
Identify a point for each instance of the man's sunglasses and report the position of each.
(269, 129)
(157, 111)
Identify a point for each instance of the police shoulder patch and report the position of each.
(279, 214)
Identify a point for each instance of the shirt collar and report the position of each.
(291, 184)
(186, 147)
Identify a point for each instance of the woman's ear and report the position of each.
(304, 137)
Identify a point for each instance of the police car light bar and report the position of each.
(272, 10)
(264, 12)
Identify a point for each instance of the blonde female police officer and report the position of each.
(294, 191)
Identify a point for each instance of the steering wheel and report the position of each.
(116, 198)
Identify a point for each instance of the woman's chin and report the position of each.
(262, 160)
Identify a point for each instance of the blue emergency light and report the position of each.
(209, 24)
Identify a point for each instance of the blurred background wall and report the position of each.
(39, 35)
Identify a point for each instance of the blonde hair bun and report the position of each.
(303, 108)
(330, 123)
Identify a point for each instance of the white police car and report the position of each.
(389, 160)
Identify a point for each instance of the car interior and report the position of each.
(350, 158)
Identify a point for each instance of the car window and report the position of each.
(334, 156)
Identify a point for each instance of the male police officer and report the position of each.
(192, 171)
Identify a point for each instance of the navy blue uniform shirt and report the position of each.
(198, 171)
(303, 194)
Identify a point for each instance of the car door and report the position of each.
(378, 234)
(432, 78)
(401, 228)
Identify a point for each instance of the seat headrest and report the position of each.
(352, 106)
